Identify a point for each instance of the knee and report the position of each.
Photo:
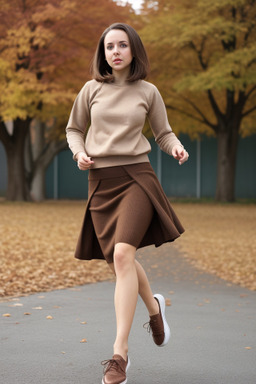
(124, 257)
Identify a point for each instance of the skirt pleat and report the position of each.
(125, 204)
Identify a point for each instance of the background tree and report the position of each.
(45, 51)
(204, 62)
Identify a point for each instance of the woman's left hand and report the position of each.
(179, 153)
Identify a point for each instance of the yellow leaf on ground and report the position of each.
(168, 302)
(210, 243)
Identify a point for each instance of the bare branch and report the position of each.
(250, 92)
(214, 105)
(195, 107)
(246, 113)
(190, 115)
(184, 113)
(199, 52)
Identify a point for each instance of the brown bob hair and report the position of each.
(100, 69)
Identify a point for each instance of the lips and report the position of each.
(117, 61)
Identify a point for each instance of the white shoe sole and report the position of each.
(167, 331)
(127, 367)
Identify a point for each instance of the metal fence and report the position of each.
(195, 179)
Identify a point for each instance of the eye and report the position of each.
(123, 45)
(109, 47)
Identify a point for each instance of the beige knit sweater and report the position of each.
(114, 117)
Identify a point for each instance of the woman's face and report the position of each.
(117, 50)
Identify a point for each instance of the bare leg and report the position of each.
(126, 294)
(144, 289)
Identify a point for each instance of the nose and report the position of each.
(116, 49)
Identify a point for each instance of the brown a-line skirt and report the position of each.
(125, 204)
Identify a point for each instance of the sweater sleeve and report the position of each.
(158, 120)
(78, 121)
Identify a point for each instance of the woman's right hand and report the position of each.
(83, 162)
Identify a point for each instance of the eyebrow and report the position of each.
(122, 41)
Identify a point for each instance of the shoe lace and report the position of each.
(147, 326)
(154, 327)
(111, 364)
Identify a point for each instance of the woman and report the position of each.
(126, 207)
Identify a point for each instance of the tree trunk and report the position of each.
(38, 166)
(27, 184)
(226, 164)
(17, 189)
(43, 154)
(38, 189)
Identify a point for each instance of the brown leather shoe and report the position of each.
(158, 325)
(115, 370)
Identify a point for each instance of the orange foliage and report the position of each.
(45, 47)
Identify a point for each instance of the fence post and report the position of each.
(159, 164)
(198, 169)
(55, 177)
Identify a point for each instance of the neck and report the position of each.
(121, 76)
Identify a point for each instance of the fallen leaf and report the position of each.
(83, 322)
(49, 317)
(168, 302)
(83, 341)
(16, 305)
(27, 313)
(248, 347)
(6, 315)
(30, 250)
(37, 308)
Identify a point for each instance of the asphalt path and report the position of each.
(62, 336)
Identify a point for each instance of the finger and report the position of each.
(184, 158)
(84, 165)
(176, 154)
(85, 162)
(181, 152)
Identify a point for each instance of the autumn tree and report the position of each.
(45, 51)
(204, 61)
(26, 64)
